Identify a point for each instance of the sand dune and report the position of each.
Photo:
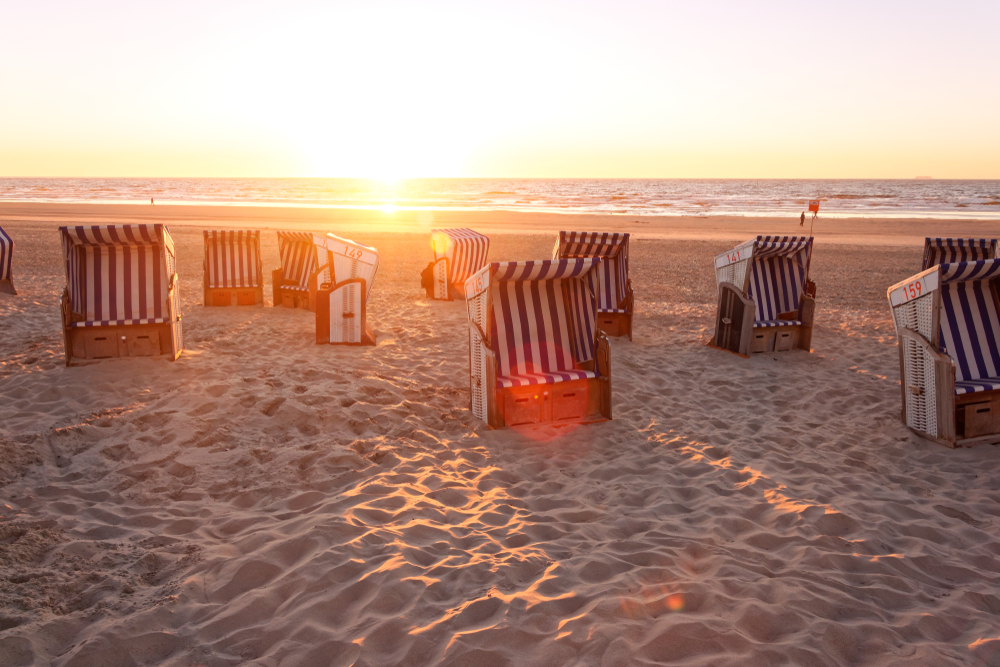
(268, 501)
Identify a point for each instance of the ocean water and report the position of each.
(775, 197)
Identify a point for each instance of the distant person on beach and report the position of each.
(151, 202)
(802, 219)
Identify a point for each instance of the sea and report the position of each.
(927, 198)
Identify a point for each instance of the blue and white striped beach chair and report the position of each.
(121, 296)
(458, 253)
(615, 299)
(6, 256)
(290, 282)
(766, 300)
(950, 251)
(948, 327)
(536, 355)
(233, 275)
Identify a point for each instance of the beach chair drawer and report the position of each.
(785, 340)
(288, 300)
(221, 298)
(246, 298)
(99, 344)
(525, 407)
(762, 341)
(980, 418)
(609, 324)
(144, 343)
(569, 404)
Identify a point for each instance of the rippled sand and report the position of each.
(268, 501)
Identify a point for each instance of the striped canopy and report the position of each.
(950, 251)
(349, 259)
(612, 272)
(465, 249)
(298, 258)
(6, 253)
(118, 274)
(232, 258)
(778, 275)
(542, 323)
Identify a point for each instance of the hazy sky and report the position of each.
(519, 89)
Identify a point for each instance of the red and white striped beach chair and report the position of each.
(298, 263)
(948, 327)
(615, 299)
(121, 296)
(766, 300)
(6, 255)
(343, 284)
(536, 354)
(950, 251)
(458, 253)
(233, 275)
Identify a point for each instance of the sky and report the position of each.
(579, 89)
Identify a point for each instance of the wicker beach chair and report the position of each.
(233, 275)
(615, 299)
(6, 255)
(343, 284)
(290, 281)
(766, 300)
(948, 328)
(950, 251)
(121, 296)
(536, 355)
(458, 253)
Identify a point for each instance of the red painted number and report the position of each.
(734, 257)
(913, 290)
(353, 253)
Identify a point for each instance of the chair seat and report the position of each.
(612, 310)
(118, 323)
(295, 288)
(973, 386)
(777, 323)
(211, 286)
(543, 378)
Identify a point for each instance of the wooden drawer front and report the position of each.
(246, 298)
(785, 340)
(608, 324)
(525, 408)
(100, 345)
(569, 403)
(981, 419)
(762, 341)
(288, 300)
(223, 298)
(140, 344)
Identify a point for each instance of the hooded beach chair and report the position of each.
(6, 254)
(343, 284)
(121, 296)
(766, 300)
(458, 253)
(948, 328)
(950, 251)
(615, 300)
(536, 354)
(233, 275)
(298, 264)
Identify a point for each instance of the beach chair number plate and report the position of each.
(353, 253)
(914, 289)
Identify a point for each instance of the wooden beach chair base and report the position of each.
(735, 331)
(112, 342)
(286, 297)
(615, 324)
(234, 296)
(7, 287)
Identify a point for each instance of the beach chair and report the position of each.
(458, 253)
(6, 254)
(766, 300)
(536, 354)
(121, 296)
(298, 264)
(948, 328)
(950, 251)
(615, 300)
(233, 275)
(343, 284)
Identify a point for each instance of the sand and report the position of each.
(268, 501)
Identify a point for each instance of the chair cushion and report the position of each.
(118, 323)
(612, 310)
(973, 386)
(777, 323)
(294, 288)
(543, 378)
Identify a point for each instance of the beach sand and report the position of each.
(268, 501)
